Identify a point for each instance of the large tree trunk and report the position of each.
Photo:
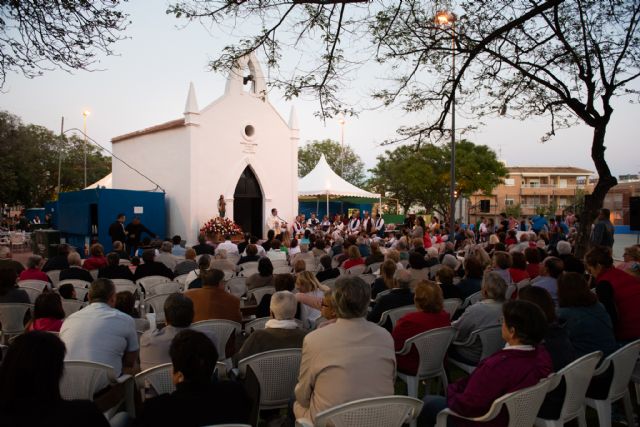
(593, 203)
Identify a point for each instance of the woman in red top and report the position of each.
(532, 256)
(97, 259)
(48, 313)
(33, 272)
(518, 268)
(618, 291)
(354, 257)
(430, 315)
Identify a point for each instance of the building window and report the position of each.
(485, 206)
(509, 202)
(509, 182)
(562, 183)
(534, 184)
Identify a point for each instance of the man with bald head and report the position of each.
(399, 296)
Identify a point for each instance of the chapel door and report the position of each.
(247, 203)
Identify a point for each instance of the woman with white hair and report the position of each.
(281, 331)
(487, 312)
(33, 271)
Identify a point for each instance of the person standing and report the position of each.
(134, 231)
(117, 231)
(222, 206)
(602, 234)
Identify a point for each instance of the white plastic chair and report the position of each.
(522, 405)
(368, 278)
(577, 376)
(331, 283)
(260, 292)
(373, 268)
(157, 303)
(451, 305)
(81, 287)
(396, 313)
(181, 279)
(276, 372)
(356, 270)
(419, 274)
(124, 262)
(278, 263)
(125, 285)
(491, 339)
(70, 306)
(54, 275)
(160, 378)
(237, 286)
(472, 299)
(282, 270)
(82, 379)
(94, 273)
(222, 329)
(12, 318)
(39, 285)
(148, 282)
(260, 323)
(623, 361)
(33, 293)
(387, 411)
(165, 288)
(432, 348)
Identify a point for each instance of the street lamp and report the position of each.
(85, 113)
(445, 17)
(341, 122)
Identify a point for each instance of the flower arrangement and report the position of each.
(222, 226)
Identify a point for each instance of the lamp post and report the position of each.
(445, 17)
(85, 113)
(341, 121)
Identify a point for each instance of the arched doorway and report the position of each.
(247, 203)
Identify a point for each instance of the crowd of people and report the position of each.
(339, 279)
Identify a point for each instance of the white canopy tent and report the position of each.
(106, 182)
(322, 181)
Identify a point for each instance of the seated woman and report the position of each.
(33, 271)
(48, 313)
(310, 296)
(385, 281)
(472, 280)
(522, 363)
(96, 258)
(29, 386)
(354, 257)
(264, 276)
(328, 315)
(430, 315)
(113, 269)
(487, 312)
(126, 303)
(618, 291)
(587, 323)
(518, 270)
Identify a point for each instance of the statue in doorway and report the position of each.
(222, 206)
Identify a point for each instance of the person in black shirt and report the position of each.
(117, 231)
(151, 267)
(328, 272)
(134, 234)
(202, 247)
(75, 270)
(243, 245)
(58, 262)
(114, 270)
(198, 400)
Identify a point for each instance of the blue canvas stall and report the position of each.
(51, 208)
(31, 213)
(320, 207)
(85, 216)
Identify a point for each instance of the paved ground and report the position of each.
(622, 241)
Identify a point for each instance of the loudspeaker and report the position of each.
(634, 213)
(485, 206)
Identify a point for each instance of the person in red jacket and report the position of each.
(33, 271)
(430, 315)
(96, 260)
(521, 364)
(618, 291)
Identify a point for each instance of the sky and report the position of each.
(147, 84)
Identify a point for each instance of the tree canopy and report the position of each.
(561, 59)
(30, 153)
(421, 176)
(36, 35)
(347, 164)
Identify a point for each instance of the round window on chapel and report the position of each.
(249, 131)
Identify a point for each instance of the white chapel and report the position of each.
(238, 146)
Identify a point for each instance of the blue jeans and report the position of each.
(432, 406)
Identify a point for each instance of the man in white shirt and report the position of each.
(100, 333)
(367, 223)
(378, 225)
(297, 227)
(228, 246)
(274, 222)
(354, 224)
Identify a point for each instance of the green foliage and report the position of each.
(353, 166)
(513, 210)
(30, 153)
(421, 175)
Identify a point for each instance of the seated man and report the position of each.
(328, 272)
(188, 265)
(166, 257)
(197, 401)
(212, 301)
(399, 296)
(100, 333)
(177, 249)
(339, 361)
(60, 261)
(251, 254)
(151, 267)
(203, 247)
(75, 270)
(114, 270)
(220, 261)
(280, 332)
(275, 253)
(154, 344)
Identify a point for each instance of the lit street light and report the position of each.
(445, 17)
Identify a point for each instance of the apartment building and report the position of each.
(532, 187)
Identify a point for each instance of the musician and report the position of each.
(275, 223)
(367, 223)
(378, 225)
(337, 223)
(313, 221)
(354, 223)
(297, 227)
